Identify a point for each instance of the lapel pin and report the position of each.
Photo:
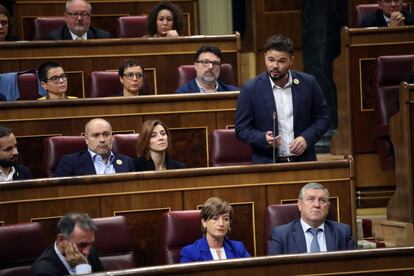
(296, 81)
(118, 162)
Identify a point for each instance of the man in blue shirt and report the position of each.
(99, 158)
(207, 63)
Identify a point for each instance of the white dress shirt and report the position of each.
(284, 110)
(100, 166)
(309, 236)
(7, 177)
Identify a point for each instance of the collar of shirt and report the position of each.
(63, 260)
(97, 158)
(74, 36)
(202, 90)
(306, 226)
(9, 176)
(288, 84)
(387, 19)
(309, 236)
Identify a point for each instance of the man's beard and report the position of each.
(8, 163)
(275, 79)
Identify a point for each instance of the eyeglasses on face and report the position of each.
(131, 75)
(206, 63)
(55, 79)
(4, 23)
(321, 200)
(75, 15)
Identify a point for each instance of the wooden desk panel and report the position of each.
(143, 197)
(162, 56)
(384, 261)
(190, 117)
(354, 76)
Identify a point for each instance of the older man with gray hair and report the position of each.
(72, 252)
(312, 232)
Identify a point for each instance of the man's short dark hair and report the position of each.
(207, 48)
(279, 43)
(68, 222)
(4, 131)
(44, 69)
(129, 63)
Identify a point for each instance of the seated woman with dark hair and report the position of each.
(152, 148)
(53, 80)
(216, 216)
(164, 20)
(6, 29)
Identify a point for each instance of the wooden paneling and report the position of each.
(80, 58)
(190, 117)
(401, 206)
(143, 197)
(385, 261)
(104, 13)
(354, 75)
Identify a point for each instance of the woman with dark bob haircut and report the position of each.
(216, 215)
(165, 20)
(152, 148)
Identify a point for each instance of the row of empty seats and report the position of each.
(126, 26)
(23, 243)
(226, 148)
(106, 83)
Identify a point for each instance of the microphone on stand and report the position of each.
(274, 136)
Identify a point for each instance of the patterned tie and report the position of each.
(314, 245)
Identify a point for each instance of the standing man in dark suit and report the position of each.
(78, 20)
(99, 158)
(281, 113)
(72, 252)
(9, 155)
(391, 13)
(207, 62)
(312, 232)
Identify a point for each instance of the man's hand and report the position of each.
(396, 19)
(270, 140)
(298, 146)
(72, 254)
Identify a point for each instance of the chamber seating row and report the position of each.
(126, 26)
(106, 83)
(23, 243)
(226, 148)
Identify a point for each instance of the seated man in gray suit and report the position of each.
(78, 20)
(99, 158)
(312, 232)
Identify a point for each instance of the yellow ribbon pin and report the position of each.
(296, 81)
(118, 162)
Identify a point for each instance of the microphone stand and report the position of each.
(274, 136)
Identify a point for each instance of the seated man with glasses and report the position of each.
(98, 158)
(131, 75)
(312, 232)
(391, 13)
(207, 63)
(54, 81)
(78, 20)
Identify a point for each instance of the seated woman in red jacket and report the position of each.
(216, 216)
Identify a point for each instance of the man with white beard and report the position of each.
(207, 63)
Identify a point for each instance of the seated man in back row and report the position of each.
(72, 252)
(312, 232)
(78, 20)
(99, 158)
(207, 63)
(391, 13)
